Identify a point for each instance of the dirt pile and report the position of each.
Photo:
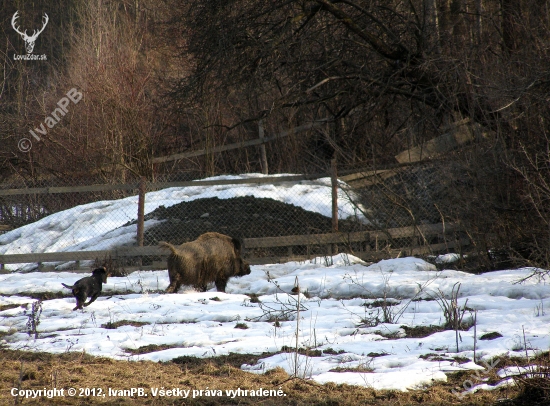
(240, 217)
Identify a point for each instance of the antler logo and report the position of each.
(29, 40)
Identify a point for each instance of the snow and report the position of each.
(336, 292)
(340, 314)
(447, 258)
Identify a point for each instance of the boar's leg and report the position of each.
(175, 281)
(221, 284)
(174, 286)
(201, 287)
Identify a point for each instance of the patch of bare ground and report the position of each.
(149, 348)
(120, 323)
(10, 306)
(26, 370)
(421, 331)
(44, 295)
(61, 295)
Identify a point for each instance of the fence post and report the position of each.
(263, 155)
(141, 211)
(334, 183)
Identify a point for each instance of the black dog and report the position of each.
(88, 287)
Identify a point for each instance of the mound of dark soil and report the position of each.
(240, 217)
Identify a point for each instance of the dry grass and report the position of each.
(39, 370)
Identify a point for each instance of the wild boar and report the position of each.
(213, 257)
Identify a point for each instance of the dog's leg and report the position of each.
(80, 297)
(94, 297)
(78, 304)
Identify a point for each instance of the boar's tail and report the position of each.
(67, 286)
(167, 245)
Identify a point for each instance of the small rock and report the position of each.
(205, 215)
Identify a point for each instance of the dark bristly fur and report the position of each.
(89, 286)
(213, 257)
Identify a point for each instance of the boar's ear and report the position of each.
(237, 244)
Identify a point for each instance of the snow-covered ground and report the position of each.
(102, 225)
(341, 313)
(341, 295)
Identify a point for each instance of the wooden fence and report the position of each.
(372, 243)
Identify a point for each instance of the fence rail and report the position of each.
(238, 145)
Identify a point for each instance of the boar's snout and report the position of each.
(244, 269)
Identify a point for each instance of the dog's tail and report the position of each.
(169, 246)
(67, 286)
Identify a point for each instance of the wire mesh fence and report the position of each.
(278, 216)
(400, 197)
(273, 208)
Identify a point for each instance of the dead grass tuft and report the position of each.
(331, 351)
(490, 336)
(46, 295)
(534, 384)
(149, 348)
(377, 354)
(304, 351)
(9, 306)
(358, 369)
(120, 323)
(421, 331)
